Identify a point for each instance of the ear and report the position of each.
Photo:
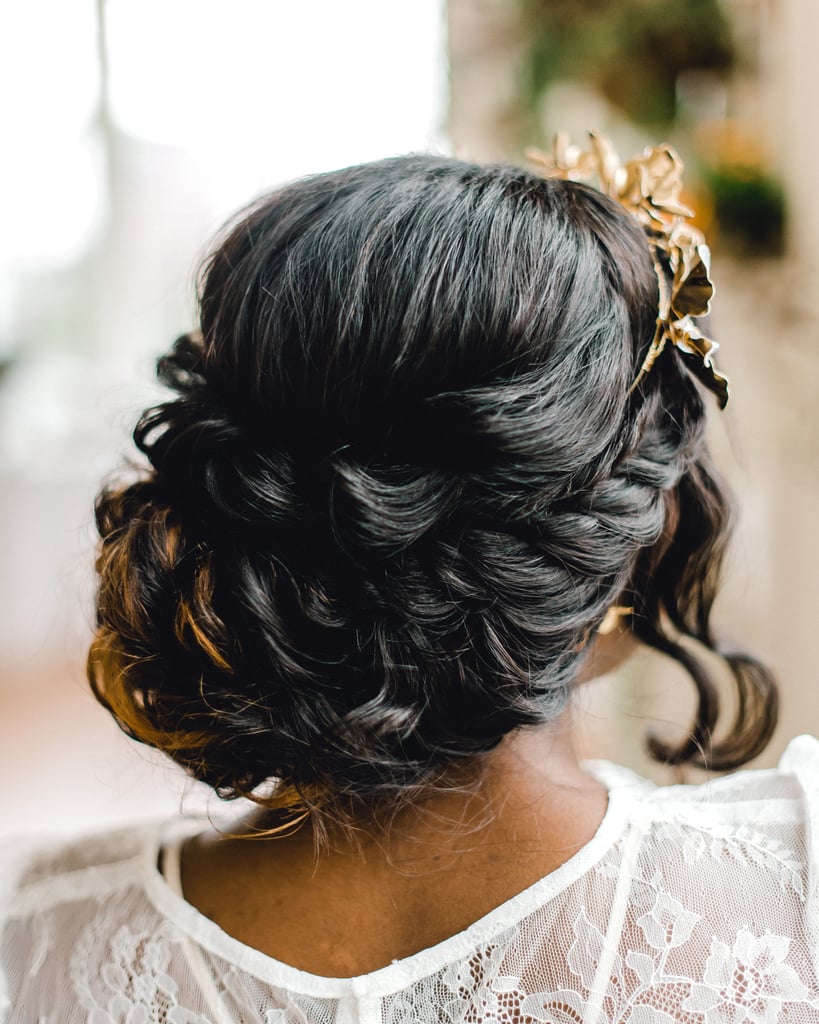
(607, 652)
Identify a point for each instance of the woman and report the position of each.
(435, 457)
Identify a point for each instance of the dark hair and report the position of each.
(402, 482)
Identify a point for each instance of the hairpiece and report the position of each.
(649, 187)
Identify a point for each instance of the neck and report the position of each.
(443, 863)
(510, 795)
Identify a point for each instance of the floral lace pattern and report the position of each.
(750, 981)
(697, 906)
(127, 978)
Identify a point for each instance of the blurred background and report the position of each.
(132, 128)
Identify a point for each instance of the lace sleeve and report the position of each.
(801, 760)
(14, 857)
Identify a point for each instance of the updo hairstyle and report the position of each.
(401, 482)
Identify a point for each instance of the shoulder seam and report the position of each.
(82, 883)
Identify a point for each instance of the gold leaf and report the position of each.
(565, 161)
(692, 289)
(607, 162)
(698, 351)
(664, 174)
(635, 183)
(650, 188)
(685, 334)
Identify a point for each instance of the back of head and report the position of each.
(402, 481)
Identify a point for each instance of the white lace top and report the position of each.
(689, 904)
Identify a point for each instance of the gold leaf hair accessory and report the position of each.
(650, 187)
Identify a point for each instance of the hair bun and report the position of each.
(401, 482)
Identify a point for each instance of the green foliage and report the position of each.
(749, 207)
(631, 50)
